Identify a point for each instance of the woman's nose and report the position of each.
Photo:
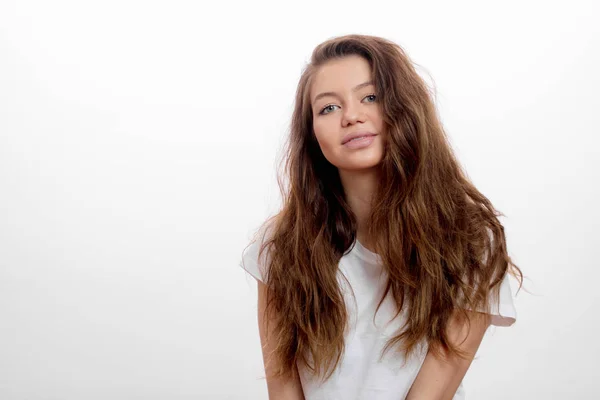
(352, 115)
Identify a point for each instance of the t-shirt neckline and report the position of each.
(365, 253)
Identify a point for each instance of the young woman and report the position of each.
(385, 266)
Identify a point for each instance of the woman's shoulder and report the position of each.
(255, 256)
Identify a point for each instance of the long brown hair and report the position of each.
(438, 237)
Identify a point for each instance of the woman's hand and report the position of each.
(439, 378)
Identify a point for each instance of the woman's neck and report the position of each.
(360, 187)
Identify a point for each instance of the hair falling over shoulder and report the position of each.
(439, 238)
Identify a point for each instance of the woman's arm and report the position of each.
(278, 389)
(438, 379)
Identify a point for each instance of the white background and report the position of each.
(138, 146)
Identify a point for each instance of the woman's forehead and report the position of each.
(340, 75)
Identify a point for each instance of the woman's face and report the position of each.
(344, 104)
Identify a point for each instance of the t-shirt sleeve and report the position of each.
(251, 263)
(502, 307)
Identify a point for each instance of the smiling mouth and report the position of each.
(359, 138)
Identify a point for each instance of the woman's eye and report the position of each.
(327, 108)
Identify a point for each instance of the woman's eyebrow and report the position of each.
(357, 87)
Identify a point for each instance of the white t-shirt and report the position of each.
(360, 374)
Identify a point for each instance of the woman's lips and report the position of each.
(360, 143)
